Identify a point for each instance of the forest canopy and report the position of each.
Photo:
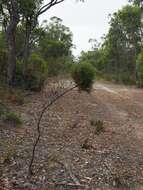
(46, 50)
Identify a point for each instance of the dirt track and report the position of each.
(112, 160)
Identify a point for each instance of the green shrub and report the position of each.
(8, 152)
(140, 69)
(128, 79)
(36, 73)
(34, 80)
(59, 65)
(11, 95)
(15, 96)
(83, 74)
(12, 119)
(36, 62)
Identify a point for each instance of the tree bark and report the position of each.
(11, 56)
(11, 33)
(26, 51)
(31, 24)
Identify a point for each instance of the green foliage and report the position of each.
(52, 44)
(123, 43)
(130, 18)
(11, 118)
(15, 96)
(11, 95)
(140, 69)
(36, 62)
(137, 2)
(116, 58)
(57, 39)
(8, 151)
(52, 55)
(20, 17)
(55, 46)
(94, 57)
(28, 8)
(83, 74)
(59, 66)
(37, 71)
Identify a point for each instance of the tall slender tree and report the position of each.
(10, 19)
(27, 11)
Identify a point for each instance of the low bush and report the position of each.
(59, 66)
(8, 152)
(12, 95)
(83, 75)
(16, 96)
(36, 73)
(11, 118)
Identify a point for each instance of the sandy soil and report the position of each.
(110, 160)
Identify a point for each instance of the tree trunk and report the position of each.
(11, 33)
(26, 48)
(11, 54)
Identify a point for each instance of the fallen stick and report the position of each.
(71, 185)
(72, 176)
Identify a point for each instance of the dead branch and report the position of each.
(48, 6)
(71, 185)
(75, 180)
(45, 108)
(72, 176)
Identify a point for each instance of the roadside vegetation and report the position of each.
(42, 51)
(85, 128)
(119, 56)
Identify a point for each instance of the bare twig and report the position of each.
(71, 185)
(72, 176)
(45, 108)
(48, 6)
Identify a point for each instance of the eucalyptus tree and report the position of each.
(139, 3)
(34, 9)
(57, 40)
(12, 12)
(124, 42)
(9, 12)
(55, 45)
(31, 10)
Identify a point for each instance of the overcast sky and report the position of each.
(86, 20)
